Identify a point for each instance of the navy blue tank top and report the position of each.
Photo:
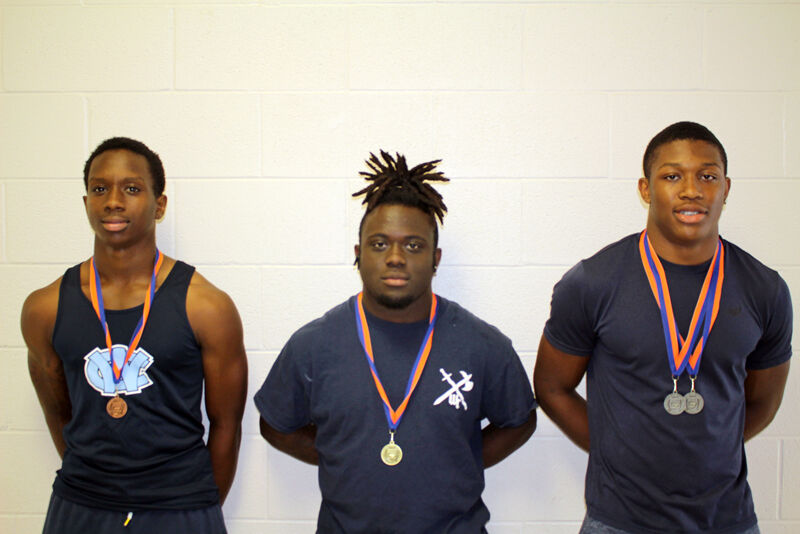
(154, 457)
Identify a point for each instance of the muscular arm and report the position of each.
(498, 442)
(763, 393)
(555, 377)
(218, 329)
(299, 444)
(45, 367)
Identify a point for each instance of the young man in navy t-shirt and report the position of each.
(665, 434)
(387, 391)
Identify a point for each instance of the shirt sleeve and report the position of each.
(508, 396)
(775, 345)
(283, 400)
(570, 327)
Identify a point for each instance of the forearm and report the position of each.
(223, 447)
(498, 442)
(757, 417)
(763, 396)
(567, 410)
(56, 428)
(54, 399)
(299, 444)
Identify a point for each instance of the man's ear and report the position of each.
(644, 189)
(161, 207)
(437, 257)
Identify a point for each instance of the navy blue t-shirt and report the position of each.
(650, 471)
(322, 377)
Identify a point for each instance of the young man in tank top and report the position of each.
(666, 436)
(121, 350)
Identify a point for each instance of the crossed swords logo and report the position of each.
(454, 395)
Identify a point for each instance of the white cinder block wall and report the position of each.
(263, 113)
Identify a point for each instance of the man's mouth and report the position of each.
(395, 281)
(691, 216)
(115, 225)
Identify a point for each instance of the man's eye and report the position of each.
(133, 189)
(414, 246)
(671, 177)
(709, 177)
(378, 245)
(98, 189)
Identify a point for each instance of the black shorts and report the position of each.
(66, 517)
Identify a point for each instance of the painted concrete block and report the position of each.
(87, 48)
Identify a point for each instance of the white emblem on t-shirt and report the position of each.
(455, 395)
(133, 376)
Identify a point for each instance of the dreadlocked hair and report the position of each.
(393, 183)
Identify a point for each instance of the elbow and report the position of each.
(266, 431)
(530, 426)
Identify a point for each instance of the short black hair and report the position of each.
(394, 183)
(678, 131)
(126, 143)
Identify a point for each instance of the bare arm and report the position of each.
(45, 367)
(763, 393)
(298, 444)
(499, 442)
(555, 378)
(218, 329)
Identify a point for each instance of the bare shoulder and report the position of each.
(39, 312)
(206, 296)
(208, 307)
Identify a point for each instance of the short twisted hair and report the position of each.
(393, 183)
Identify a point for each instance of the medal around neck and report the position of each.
(694, 401)
(116, 407)
(675, 403)
(684, 353)
(391, 453)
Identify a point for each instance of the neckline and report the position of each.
(136, 308)
(383, 323)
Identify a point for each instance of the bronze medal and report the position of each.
(117, 407)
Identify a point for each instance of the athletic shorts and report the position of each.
(593, 526)
(66, 517)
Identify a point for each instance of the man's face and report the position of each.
(120, 201)
(397, 257)
(686, 191)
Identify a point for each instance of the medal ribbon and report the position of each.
(705, 311)
(96, 292)
(393, 416)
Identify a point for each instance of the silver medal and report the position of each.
(694, 401)
(675, 403)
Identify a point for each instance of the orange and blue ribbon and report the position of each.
(393, 416)
(96, 293)
(705, 311)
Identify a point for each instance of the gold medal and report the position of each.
(391, 453)
(117, 407)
